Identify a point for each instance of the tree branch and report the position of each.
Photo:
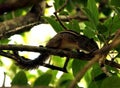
(13, 57)
(80, 18)
(16, 4)
(57, 52)
(23, 23)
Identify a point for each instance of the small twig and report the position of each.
(3, 85)
(76, 17)
(60, 21)
(54, 67)
(59, 10)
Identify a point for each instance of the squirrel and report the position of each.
(66, 40)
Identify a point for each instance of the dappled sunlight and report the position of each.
(38, 35)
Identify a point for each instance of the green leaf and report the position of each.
(102, 28)
(70, 6)
(56, 26)
(64, 84)
(117, 10)
(90, 17)
(89, 30)
(43, 80)
(96, 70)
(65, 80)
(95, 84)
(58, 3)
(97, 76)
(4, 41)
(89, 33)
(81, 2)
(91, 5)
(112, 24)
(56, 59)
(118, 49)
(115, 3)
(74, 25)
(78, 65)
(66, 76)
(92, 13)
(20, 79)
(111, 82)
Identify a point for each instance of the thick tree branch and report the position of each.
(16, 4)
(17, 25)
(23, 23)
(57, 52)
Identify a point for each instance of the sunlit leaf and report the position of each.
(57, 27)
(56, 59)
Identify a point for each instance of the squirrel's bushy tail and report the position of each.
(32, 64)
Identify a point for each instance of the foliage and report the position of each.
(100, 31)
